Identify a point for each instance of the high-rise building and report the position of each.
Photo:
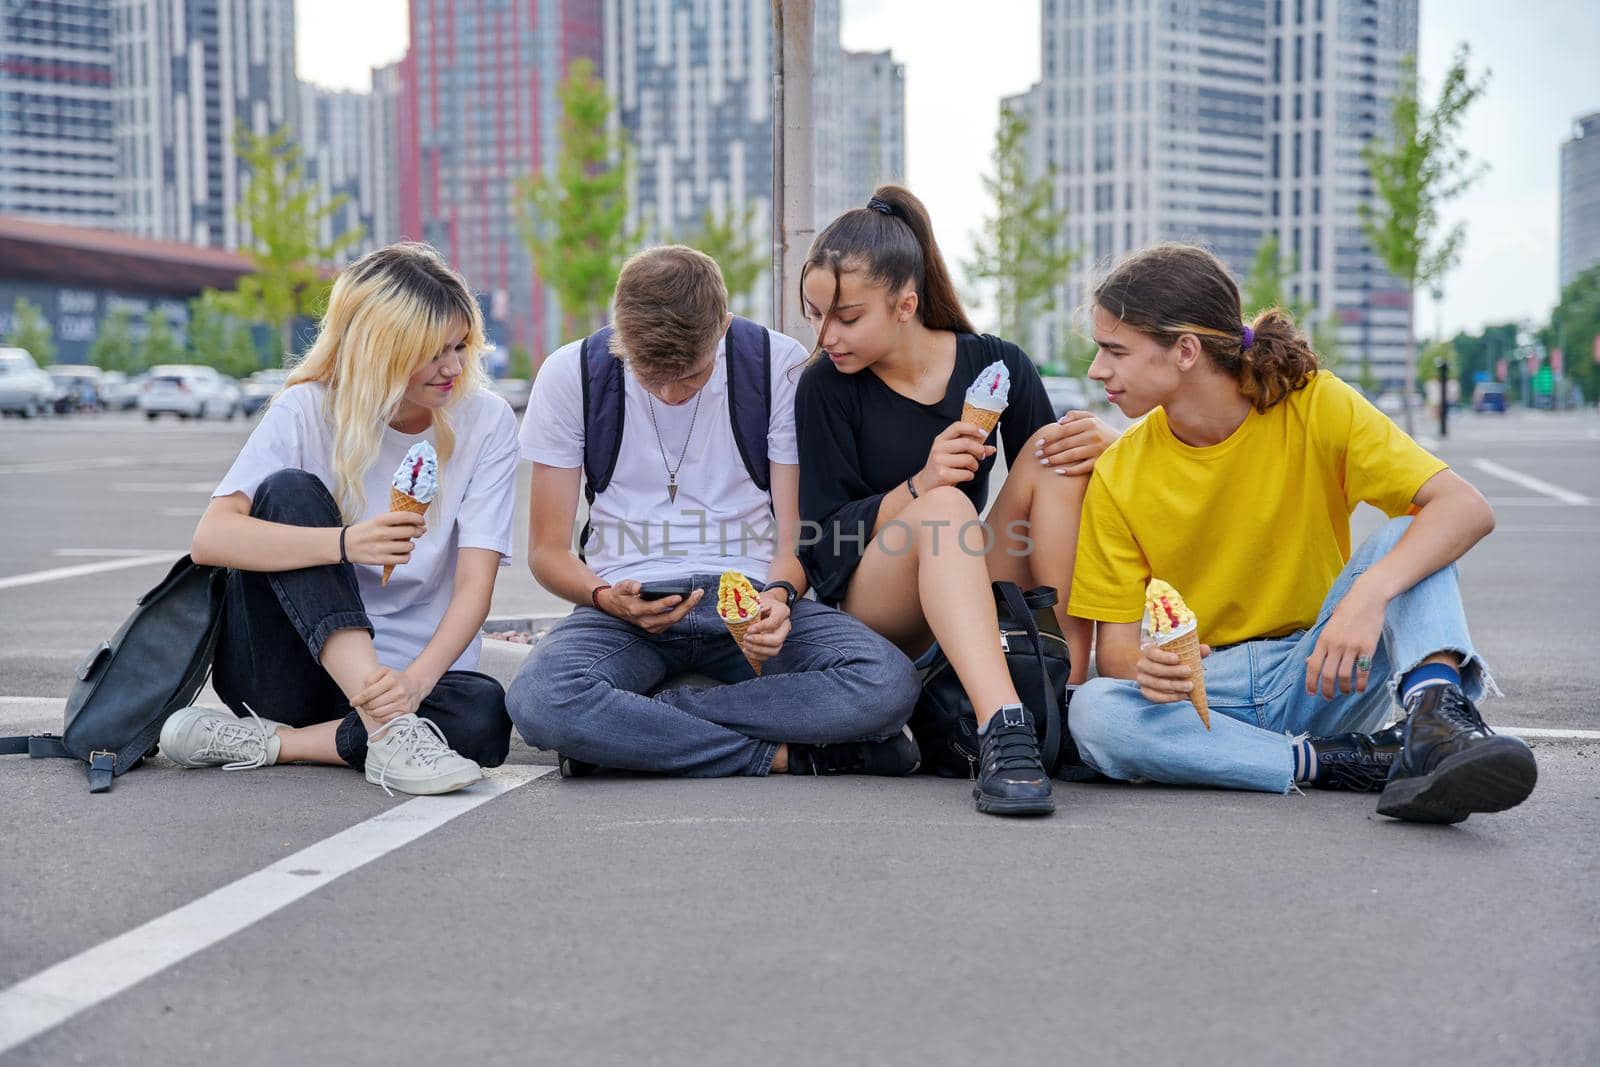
(187, 75)
(57, 144)
(348, 139)
(873, 126)
(692, 84)
(479, 111)
(1218, 122)
(1580, 198)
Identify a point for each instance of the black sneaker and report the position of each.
(1011, 778)
(895, 757)
(1356, 763)
(1452, 764)
(574, 768)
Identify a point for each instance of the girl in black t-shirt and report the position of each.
(892, 481)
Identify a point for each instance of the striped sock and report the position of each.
(1419, 678)
(1305, 761)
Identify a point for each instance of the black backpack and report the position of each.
(944, 723)
(128, 686)
(749, 357)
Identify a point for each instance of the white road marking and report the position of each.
(102, 553)
(1552, 735)
(62, 466)
(57, 574)
(1525, 502)
(164, 487)
(56, 994)
(182, 513)
(1528, 481)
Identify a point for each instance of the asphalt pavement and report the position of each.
(298, 914)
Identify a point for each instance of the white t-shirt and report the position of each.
(720, 521)
(475, 507)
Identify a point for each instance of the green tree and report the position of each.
(726, 239)
(218, 338)
(31, 330)
(574, 220)
(160, 342)
(113, 347)
(1419, 168)
(1267, 285)
(1481, 353)
(1573, 327)
(1021, 251)
(519, 363)
(280, 212)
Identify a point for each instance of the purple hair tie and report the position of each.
(1249, 339)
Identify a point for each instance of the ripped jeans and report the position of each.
(1257, 692)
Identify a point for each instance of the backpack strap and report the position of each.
(604, 405)
(1016, 604)
(101, 766)
(749, 350)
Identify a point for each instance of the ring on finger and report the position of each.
(1363, 663)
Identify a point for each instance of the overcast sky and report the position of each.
(1544, 58)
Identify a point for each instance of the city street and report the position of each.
(298, 914)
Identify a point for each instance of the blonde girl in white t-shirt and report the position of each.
(319, 659)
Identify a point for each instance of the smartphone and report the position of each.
(665, 587)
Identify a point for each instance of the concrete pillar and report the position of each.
(793, 137)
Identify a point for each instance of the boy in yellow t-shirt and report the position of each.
(1238, 489)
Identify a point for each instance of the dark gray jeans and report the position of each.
(274, 625)
(583, 691)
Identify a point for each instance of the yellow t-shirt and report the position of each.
(1252, 531)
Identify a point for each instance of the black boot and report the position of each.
(1452, 764)
(1011, 778)
(1355, 763)
(894, 756)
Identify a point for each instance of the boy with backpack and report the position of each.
(677, 421)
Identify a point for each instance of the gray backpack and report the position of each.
(128, 686)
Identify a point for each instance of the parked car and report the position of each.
(515, 390)
(118, 392)
(1066, 394)
(189, 391)
(24, 389)
(1489, 396)
(258, 390)
(80, 386)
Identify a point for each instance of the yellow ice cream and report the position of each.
(737, 599)
(1164, 609)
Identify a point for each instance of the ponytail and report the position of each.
(1172, 289)
(892, 240)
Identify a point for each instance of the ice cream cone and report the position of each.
(982, 418)
(1187, 645)
(737, 627)
(399, 501)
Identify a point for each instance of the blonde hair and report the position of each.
(669, 311)
(390, 312)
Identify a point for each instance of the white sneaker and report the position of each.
(201, 736)
(410, 754)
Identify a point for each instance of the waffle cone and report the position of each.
(737, 627)
(1187, 646)
(981, 417)
(399, 501)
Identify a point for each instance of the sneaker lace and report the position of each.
(243, 742)
(837, 759)
(1013, 747)
(418, 739)
(1457, 710)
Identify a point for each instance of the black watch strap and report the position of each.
(794, 594)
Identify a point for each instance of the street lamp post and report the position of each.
(1442, 366)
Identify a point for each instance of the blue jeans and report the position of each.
(274, 624)
(1258, 697)
(583, 691)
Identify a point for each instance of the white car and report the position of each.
(189, 391)
(1066, 394)
(258, 390)
(24, 389)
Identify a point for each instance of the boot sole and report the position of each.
(1493, 776)
(1014, 805)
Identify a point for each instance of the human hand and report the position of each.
(1163, 678)
(1347, 641)
(1072, 444)
(389, 694)
(385, 540)
(767, 634)
(652, 616)
(954, 457)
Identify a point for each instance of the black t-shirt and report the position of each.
(859, 439)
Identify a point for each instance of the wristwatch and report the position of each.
(794, 594)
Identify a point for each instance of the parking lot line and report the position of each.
(56, 574)
(63, 466)
(56, 994)
(1528, 481)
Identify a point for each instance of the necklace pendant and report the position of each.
(672, 490)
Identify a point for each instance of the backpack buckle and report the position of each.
(102, 768)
